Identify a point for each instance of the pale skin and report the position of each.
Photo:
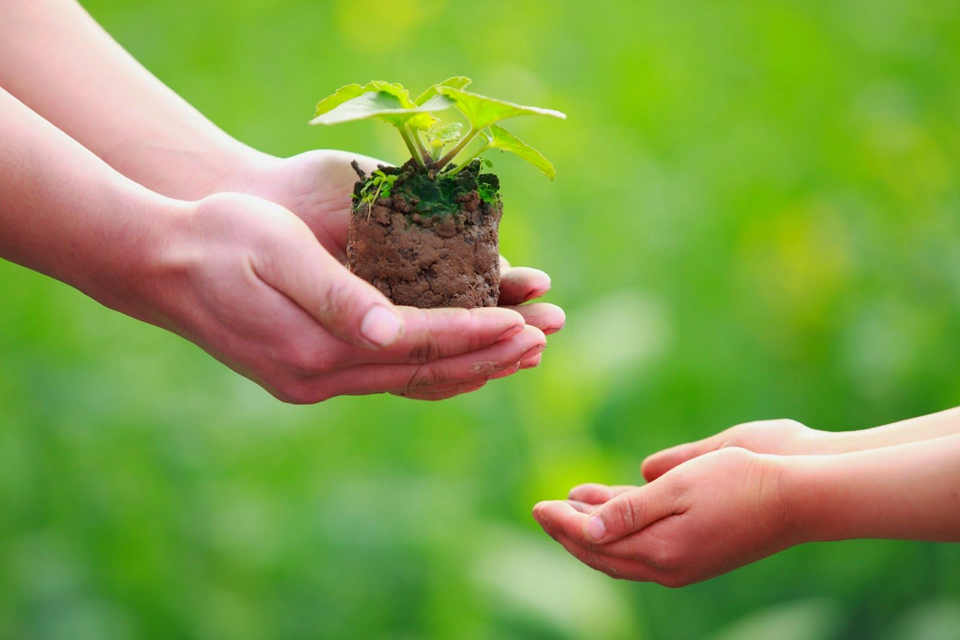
(756, 489)
(115, 185)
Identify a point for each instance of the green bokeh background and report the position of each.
(755, 216)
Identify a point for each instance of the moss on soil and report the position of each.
(430, 194)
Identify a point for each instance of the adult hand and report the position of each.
(247, 281)
(316, 186)
(703, 518)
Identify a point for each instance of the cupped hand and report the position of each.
(248, 282)
(317, 185)
(777, 437)
(705, 517)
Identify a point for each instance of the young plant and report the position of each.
(426, 137)
(379, 186)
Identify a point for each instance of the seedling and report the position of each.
(441, 190)
(423, 133)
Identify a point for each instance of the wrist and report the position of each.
(189, 169)
(813, 497)
(135, 255)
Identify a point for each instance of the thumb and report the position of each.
(630, 512)
(659, 463)
(347, 306)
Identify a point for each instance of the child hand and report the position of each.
(777, 437)
(705, 517)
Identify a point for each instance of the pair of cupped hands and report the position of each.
(259, 282)
(708, 507)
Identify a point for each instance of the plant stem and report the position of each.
(468, 161)
(408, 139)
(424, 154)
(442, 162)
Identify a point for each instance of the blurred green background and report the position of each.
(756, 216)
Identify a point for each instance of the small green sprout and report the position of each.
(379, 186)
(426, 137)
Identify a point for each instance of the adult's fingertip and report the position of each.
(509, 371)
(381, 327)
(532, 362)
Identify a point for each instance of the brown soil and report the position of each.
(428, 261)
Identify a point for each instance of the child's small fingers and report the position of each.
(630, 512)
(558, 516)
(582, 507)
(659, 463)
(596, 494)
(619, 568)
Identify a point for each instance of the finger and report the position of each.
(582, 507)
(560, 517)
(643, 546)
(549, 318)
(615, 567)
(505, 373)
(630, 512)
(597, 493)
(563, 521)
(468, 367)
(659, 463)
(442, 392)
(432, 334)
(531, 363)
(520, 284)
(350, 308)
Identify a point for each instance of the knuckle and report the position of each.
(627, 511)
(424, 376)
(426, 349)
(668, 557)
(334, 300)
(738, 435)
(305, 360)
(734, 455)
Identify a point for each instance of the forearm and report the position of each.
(910, 491)
(58, 61)
(935, 425)
(65, 213)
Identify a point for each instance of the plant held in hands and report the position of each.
(427, 233)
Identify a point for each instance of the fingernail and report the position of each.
(381, 326)
(595, 528)
(536, 293)
(511, 332)
(531, 363)
(532, 352)
(549, 331)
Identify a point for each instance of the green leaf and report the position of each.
(482, 111)
(351, 91)
(377, 99)
(440, 135)
(456, 82)
(500, 138)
